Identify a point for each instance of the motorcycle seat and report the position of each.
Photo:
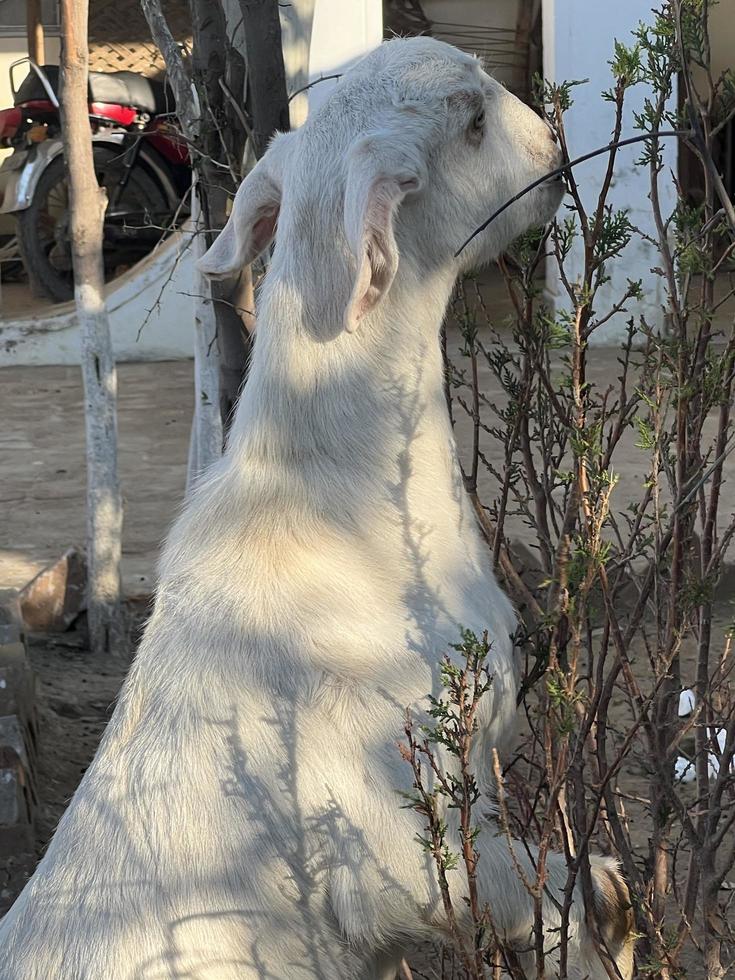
(126, 88)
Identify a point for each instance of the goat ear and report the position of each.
(251, 226)
(378, 178)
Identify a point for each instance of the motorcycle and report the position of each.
(139, 159)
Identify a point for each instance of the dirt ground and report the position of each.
(76, 696)
(42, 482)
(77, 693)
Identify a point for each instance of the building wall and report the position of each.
(466, 23)
(722, 36)
(578, 43)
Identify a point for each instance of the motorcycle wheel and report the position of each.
(43, 226)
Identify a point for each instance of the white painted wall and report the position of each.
(343, 31)
(151, 316)
(456, 18)
(722, 36)
(578, 43)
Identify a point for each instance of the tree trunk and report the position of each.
(221, 66)
(87, 202)
(267, 94)
(187, 110)
(206, 436)
(205, 442)
(219, 76)
(223, 70)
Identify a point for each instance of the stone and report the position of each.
(16, 795)
(9, 633)
(57, 595)
(18, 739)
(17, 683)
(9, 621)
(18, 757)
(18, 799)
(9, 612)
(12, 741)
(65, 708)
(527, 563)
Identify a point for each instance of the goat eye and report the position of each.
(479, 121)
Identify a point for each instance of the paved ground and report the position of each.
(42, 464)
(42, 459)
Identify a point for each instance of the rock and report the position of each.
(17, 684)
(18, 737)
(9, 633)
(18, 801)
(54, 598)
(527, 564)
(9, 621)
(65, 709)
(686, 702)
(8, 612)
(12, 743)
(684, 770)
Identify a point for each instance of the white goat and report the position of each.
(241, 818)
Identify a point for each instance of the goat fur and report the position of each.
(241, 818)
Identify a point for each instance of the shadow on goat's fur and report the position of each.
(242, 819)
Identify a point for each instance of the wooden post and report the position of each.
(87, 203)
(34, 28)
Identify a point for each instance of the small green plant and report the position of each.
(445, 794)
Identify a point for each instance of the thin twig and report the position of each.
(565, 168)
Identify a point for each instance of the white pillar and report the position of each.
(578, 40)
(323, 38)
(344, 31)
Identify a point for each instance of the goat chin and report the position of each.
(242, 819)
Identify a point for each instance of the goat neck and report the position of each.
(353, 404)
